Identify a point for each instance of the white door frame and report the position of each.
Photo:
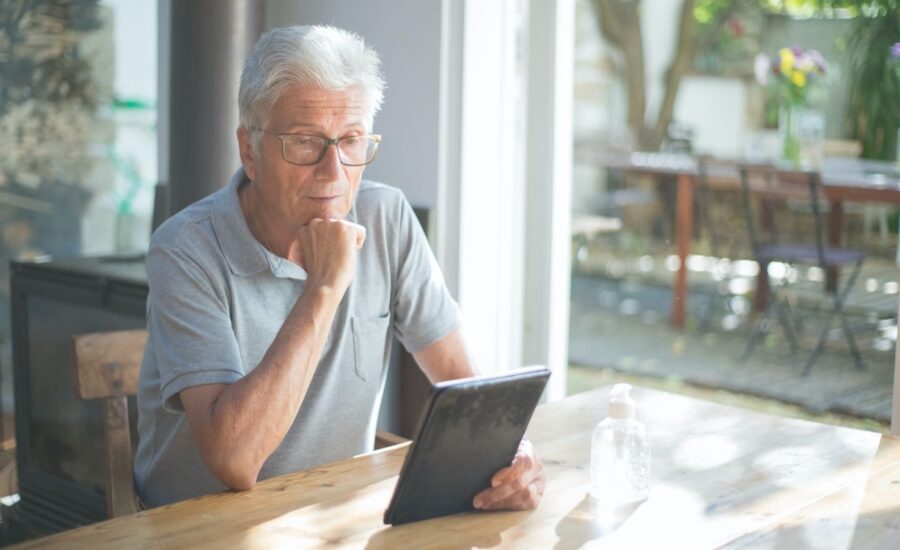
(549, 189)
(503, 214)
(480, 197)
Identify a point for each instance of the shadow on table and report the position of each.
(589, 520)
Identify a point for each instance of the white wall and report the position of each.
(407, 35)
(716, 108)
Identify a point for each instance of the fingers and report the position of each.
(521, 464)
(527, 499)
(360, 234)
(526, 496)
(516, 487)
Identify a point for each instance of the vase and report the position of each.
(802, 132)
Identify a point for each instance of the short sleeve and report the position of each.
(424, 310)
(189, 326)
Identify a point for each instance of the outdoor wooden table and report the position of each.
(843, 179)
(721, 476)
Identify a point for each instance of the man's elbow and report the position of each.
(239, 482)
(235, 474)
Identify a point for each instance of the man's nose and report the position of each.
(329, 168)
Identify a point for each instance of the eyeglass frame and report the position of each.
(324, 151)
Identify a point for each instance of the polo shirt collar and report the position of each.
(243, 253)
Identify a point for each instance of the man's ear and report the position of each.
(248, 155)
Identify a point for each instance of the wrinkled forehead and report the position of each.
(313, 106)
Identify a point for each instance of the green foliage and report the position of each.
(831, 8)
(875, 92)
(726, 35)
(707, 11)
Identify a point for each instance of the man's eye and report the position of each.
(303, 140)
(351, 140)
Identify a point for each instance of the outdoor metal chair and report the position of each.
(765, 186)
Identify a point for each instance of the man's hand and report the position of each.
(328, 249)
(519, 486)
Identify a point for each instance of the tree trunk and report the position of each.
(620, 24)
(681, 63)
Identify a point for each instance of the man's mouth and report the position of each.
(325, 198)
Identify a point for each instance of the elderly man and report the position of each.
(273, 301)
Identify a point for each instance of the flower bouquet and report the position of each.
(796, 75)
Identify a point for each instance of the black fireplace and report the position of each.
(58, 437)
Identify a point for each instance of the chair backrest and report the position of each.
(771, 185)
(107, 367)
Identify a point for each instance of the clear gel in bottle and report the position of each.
(620, 453)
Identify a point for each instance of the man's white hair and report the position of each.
(322, 56)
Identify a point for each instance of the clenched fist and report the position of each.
(328, 251)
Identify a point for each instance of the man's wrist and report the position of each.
(323, 291)
(320, 296)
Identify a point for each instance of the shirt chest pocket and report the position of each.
(370, 345)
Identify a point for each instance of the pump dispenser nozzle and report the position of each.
(621, 405)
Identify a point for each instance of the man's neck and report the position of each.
(264, 225)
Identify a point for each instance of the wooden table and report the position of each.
(721, 476)
(843, 179)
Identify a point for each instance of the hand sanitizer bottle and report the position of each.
(620, 453)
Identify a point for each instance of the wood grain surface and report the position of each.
(108, 364)
(721, 476)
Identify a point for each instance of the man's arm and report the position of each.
(446, 359)
(238, 426)
(518, 486)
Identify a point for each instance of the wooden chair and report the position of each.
(107, 367)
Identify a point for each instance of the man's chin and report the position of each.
(333, 212)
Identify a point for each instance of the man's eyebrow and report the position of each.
(294, 126)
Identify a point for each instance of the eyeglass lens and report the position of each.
(352, 150)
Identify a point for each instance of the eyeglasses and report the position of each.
(306, 150)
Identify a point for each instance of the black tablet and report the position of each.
(469, 429)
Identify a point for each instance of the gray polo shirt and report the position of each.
(218, 298)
